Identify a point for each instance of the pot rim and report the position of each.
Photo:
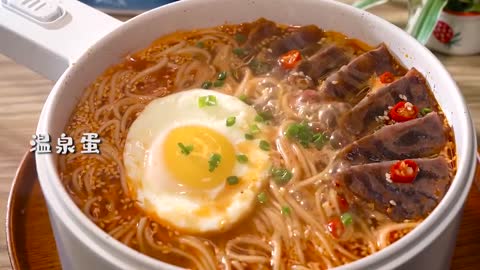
(123, 257)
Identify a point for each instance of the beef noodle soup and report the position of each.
(259, 146)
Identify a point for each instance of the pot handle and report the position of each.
(49, 35)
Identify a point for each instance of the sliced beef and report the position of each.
(350, 83)
(362, 119)
(422, 137)
(399, 201)
(262, 31)
(319, 64)
(298, 39)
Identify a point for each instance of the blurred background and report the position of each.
(24, 92)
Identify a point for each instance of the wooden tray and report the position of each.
(31, 245)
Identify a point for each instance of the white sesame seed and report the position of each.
(388, 178)
(392, 202)
(334, 82)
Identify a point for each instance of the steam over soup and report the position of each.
(260, 146)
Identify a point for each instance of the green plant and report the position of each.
(463, 5)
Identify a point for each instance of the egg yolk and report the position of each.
(207, 158)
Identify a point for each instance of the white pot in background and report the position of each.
(456, 33)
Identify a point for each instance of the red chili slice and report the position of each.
(290, 59)
(387, 77)
(404, 171)
(335, 227)
(342, 203)
(403, 111)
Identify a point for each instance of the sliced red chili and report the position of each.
(342, 203)
(290, 59)
(403, 111)
(387, 77)
(335, 227)
(404, 171)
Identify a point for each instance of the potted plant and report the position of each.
(458, 28)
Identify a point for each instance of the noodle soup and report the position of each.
(258, 146)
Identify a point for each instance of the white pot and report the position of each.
(456, 33)
(82, 245)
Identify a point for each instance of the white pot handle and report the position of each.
(49, 35)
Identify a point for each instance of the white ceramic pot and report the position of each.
(456, 33)
(73, 42)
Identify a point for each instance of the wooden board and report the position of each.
(31, 245)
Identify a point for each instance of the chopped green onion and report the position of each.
(214, 162)
(346, 218)
(231, 121)
(249, 136)
(222, 76)
(286, 210)
(254, 129)
(259, 118)
(240, 37)
(200, 44)
(425, 111)
(281, 176)
(264, 145)
(301, 132)
(262, 197)
(206, 84)
(240, 52)
(243, 98)
(242, 158)
(232, 180)
(185, 149)
(209, 100)
(319, 140)
(218, 83)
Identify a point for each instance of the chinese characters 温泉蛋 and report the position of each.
(42, 144)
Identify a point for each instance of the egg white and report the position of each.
(156, 190)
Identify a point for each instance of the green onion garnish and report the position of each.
(319, 140)
(214, 162)
(209, 100)
(218, 83)
(232, 180)
(285, 210)
(185, 149)
(206, 84)
(281, 176)
(222, 76)
(249, 136)
(425, 111)
(240, 37)
(346, 218)
(254, 129)
(264, 145)
(262, 197)
(200, 44)
(259, 118)
(231, 121)
(243, 98)
(301, 132)
(242, 158)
